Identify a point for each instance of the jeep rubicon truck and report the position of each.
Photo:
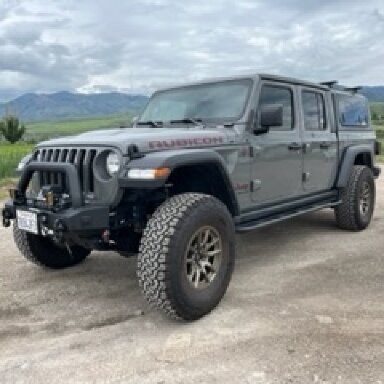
(202, 162)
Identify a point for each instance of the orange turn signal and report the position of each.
(161, 173)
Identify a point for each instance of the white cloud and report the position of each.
(138, 45)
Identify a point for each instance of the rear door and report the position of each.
(319, 140)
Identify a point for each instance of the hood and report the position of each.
(148, 139)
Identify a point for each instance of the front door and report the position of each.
(319, 140)
(277, 167)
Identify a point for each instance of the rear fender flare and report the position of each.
(348, 160)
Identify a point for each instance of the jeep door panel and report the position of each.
(320, 146)
(276, 170)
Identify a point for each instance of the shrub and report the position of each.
(11, 129)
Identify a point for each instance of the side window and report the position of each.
(353, 111)
(314, 111)
(271, 94)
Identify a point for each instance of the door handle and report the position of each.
(324, 145)
(295, 147)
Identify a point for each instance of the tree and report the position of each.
(11, 128)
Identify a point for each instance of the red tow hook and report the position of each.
(105, 234)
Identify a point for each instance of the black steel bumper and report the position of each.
(75, 218)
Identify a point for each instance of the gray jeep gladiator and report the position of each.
(202, 162)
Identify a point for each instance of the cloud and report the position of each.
(137, 46)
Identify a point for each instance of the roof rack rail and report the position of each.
(334, 84)
(329, 84)
(353, 89)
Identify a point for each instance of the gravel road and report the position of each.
(305, 305)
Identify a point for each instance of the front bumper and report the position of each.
(55, 219)
(69, 220)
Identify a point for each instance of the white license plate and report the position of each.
(27, 221)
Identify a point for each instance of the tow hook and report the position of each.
(105, 236)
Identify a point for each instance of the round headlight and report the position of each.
(113, 163)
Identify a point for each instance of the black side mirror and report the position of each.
(271, 115)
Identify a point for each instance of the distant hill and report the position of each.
(374, 94)
(63, 105)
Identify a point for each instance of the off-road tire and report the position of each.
(160, 268)
(348, 214)
(44, 252)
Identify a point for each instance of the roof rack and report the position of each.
(329, 84)
(334, 85)
(353, 89)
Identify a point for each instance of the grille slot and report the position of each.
(81, 158)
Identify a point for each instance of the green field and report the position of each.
(38, 131)
(377, 111)
(10, 155)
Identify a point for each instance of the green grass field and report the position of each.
(38, 131)
(10, 155)
(380, 136)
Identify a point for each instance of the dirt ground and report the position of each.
(305, 305)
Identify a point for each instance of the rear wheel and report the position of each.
(358, 200)
(186, 255)
(44, 252)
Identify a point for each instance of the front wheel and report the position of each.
(358, 200)
(44, 252)
(186, 256)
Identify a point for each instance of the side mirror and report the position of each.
(134, 120)
(271, 115)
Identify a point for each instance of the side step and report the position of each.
(262, 222)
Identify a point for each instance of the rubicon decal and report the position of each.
(242, 187)
(190, 142)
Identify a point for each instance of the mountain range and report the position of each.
(373, 94)
(64, 105)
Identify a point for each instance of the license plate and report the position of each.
(27, 221)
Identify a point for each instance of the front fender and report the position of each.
(173, 159)
(170, 159)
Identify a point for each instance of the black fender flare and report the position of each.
(173, 159)
(348, 160)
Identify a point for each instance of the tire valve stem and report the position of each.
(105, 235)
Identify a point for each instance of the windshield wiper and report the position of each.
(188, 120)
(154, 124)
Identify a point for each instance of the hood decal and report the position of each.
(187, 142)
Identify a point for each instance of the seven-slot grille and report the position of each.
(82, 158)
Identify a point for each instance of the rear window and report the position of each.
(353, 111)
(314, 111)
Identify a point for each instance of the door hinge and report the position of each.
(306, 176)
(255, 185)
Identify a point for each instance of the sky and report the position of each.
(138, 46)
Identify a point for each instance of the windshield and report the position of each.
(212, 102)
